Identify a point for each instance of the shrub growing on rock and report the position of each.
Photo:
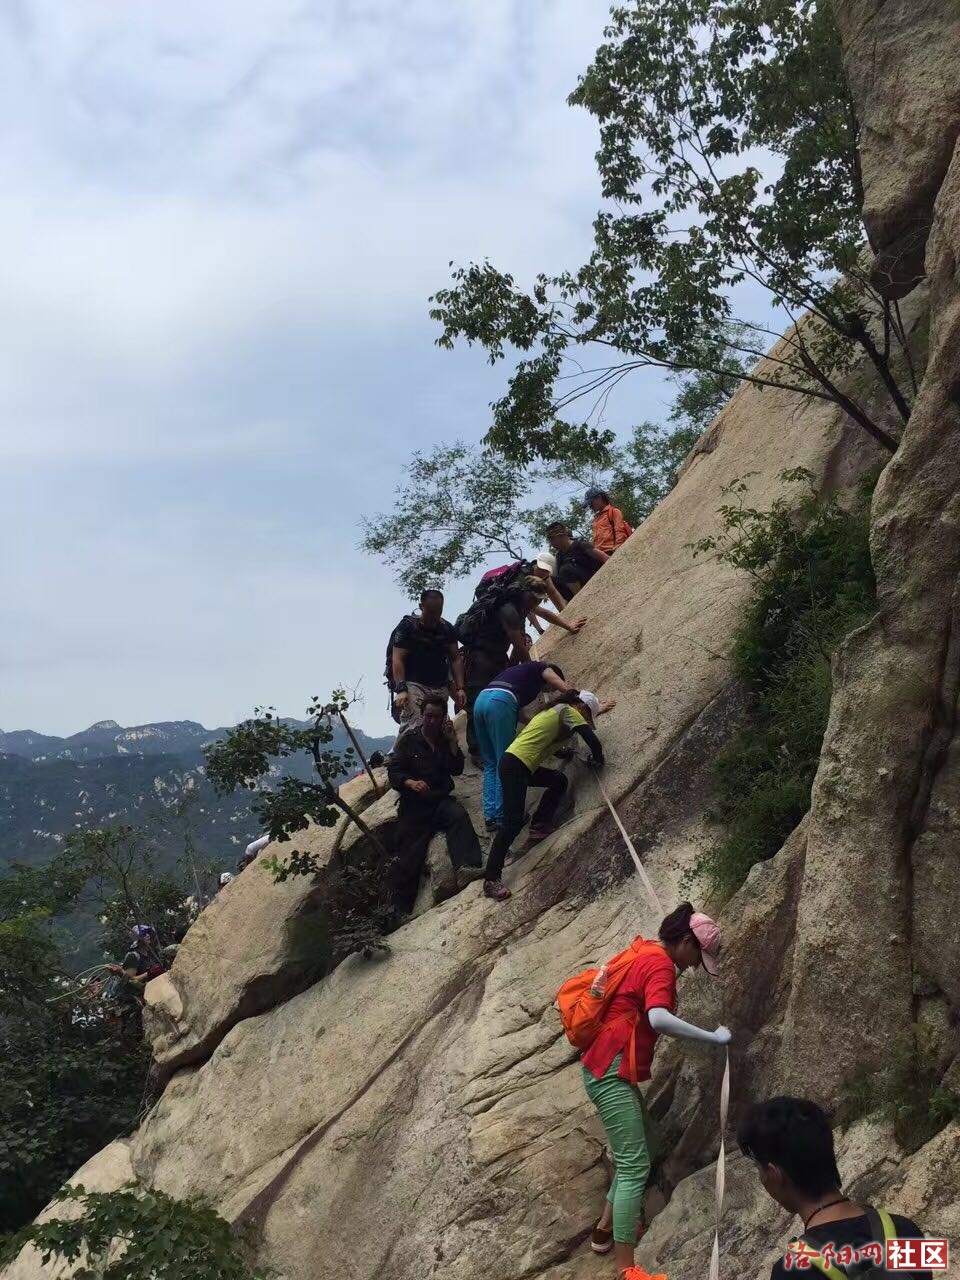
(814, 583)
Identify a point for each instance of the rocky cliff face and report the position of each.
(423, 1115)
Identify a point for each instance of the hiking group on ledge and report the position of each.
(483, 663)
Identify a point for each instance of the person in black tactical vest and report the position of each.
(424, 661)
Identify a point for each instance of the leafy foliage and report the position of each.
(686, 93)
(907, 1091)
(638, 475)
(119, 867)
(460, 504)
(140, 1235)
(455, 506)
(69, 1082)
(813, 584)
(356, 891)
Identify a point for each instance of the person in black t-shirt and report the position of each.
(791, 1143)
(425, 661)
(577, 561)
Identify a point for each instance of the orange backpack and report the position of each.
(583, 1014)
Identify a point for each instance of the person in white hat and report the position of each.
(521, 767)
(545, 568)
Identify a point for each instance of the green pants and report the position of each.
(624, 1117)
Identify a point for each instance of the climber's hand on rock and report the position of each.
(722, 1035)
(607, 705)
(416, 784)
(578, 625)
(401, 699)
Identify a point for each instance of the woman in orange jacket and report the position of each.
(610, 530)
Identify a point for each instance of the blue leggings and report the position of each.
(495, 715)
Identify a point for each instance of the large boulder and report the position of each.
(257, 942)
(901, 60)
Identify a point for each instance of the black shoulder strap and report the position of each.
(876, 1225)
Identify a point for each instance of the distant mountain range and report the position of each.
(146, 775)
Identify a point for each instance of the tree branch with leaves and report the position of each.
(687, 94)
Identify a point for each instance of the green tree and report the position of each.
(356, 887)
(687, 94)
(139, 1235)
(457, 504)
(638, 475)
(118, 868)
(69, 1082)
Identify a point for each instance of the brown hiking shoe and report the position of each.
(601, 1241)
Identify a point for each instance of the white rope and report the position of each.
(641, 869)
(655, 902)
(721, 1167)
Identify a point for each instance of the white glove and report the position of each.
(722, 1035)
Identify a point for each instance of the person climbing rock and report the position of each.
(610, 530)
(422, 768)
(496, 713)
(521, 767)
(619, 1057)
(545, 568)
(790, 1142)
(254, 848)
(493, 637)
(577, 561)
(424, 661)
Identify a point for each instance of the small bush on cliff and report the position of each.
(131, 1235)
(908, 1092)
(813, 584)
(356, 889)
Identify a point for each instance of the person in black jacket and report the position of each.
(790, 1142)
(422, 768)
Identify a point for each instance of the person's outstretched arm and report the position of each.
(556, 599)
(666, 1024)
(398, 667)
(553, 681)
(550, 616)
(455, 659)
(593, 742)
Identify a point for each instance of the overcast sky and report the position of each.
(220, 224)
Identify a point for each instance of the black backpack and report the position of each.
(388, 668)
(479, 625)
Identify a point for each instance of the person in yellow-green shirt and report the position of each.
(521, 767)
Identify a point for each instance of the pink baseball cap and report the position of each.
(707, 933)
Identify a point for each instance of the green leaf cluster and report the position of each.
(69, 1083)
(136, 1234)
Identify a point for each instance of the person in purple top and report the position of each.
(495, 717)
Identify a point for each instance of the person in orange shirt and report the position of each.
(610, 530)
(641, 1010)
